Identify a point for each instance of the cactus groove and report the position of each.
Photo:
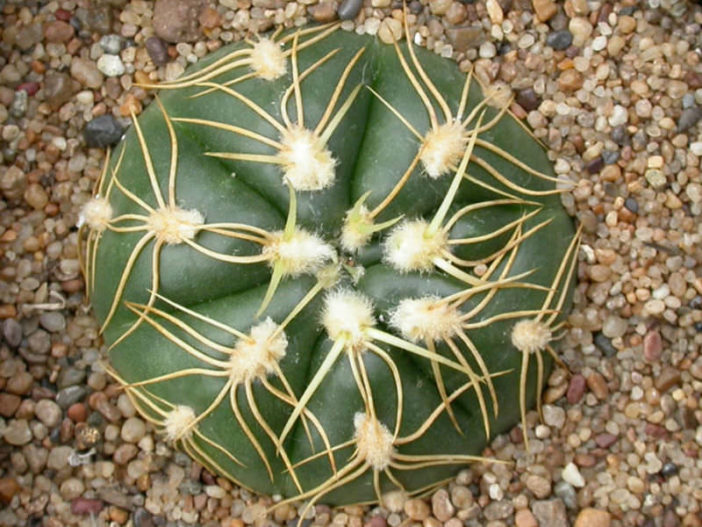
(329, 268)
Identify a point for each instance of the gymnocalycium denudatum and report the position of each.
(329, 268)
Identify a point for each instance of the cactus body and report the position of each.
(329, 268)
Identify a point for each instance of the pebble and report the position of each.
(85, 506)
(498, 510)
(58, 89)
(668, 377)
(390, 30)
(53, 321)
(9, 404)
(544, 9)
(572, 475)
(598, 385)
(71, 488)
(417, 509)
(102, 131)
(605, 440)
(524, 518)
(157, 50)
(614, 327)
(58, 31)
(58, 457)
(566, 492)
(539, 486)
(652, 346)
(323, 12)
(133, 430)
(8, 489)
(550, 512)
(348, 9)
(70, 377)
(125, 453)
(70, 395)
(689, 118)
(559, 40)
(111, 65)
(20, 383)
(554, 416)
(590, 517)
(604, 344)
(111, 44)
(441, 505)
(48, 412)
(465, 38)
(17, 432)
(528, 99)
(177, 20)
(581, 29)
(86, 72)
(12, 332)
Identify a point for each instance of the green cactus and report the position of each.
(323, 265)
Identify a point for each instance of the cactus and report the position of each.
(329, 268)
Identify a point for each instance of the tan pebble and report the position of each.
(456, 14)
(544, 9)
(524, 518)
(390, 30)
(592, 518)
(654, 307)
(668, 378)
(598, 385)
(494, 11)
(417, 509)
(626, 24)
(581, 28)
(441, 505)
(36, 196)
(439, 7)
(540, 487)
(600, 273)
(570, 80)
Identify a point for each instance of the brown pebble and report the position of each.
(576, 388)
(20, 384)
(668, 378)
(125, 453)
(544, 9)
(84, 506)
(177, 20)
(592, 518)
(209, 18)
(605, 440)
(524, 518)
(598, 385)
(9, 403)
(58, 31)
(8, 488)
(77, 412)
(584, 460)
(7, 310)
(323, 12)
(652, 345)
(570, 80)
(118, 515)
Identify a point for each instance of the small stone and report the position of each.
(58, 31)
(528, 99)
(668, 378)
(111, 65)
(539, 486)
(554, 416)
(28, 36)
(125, 453)
(559, 40)
(133, 430)
(598, 385)
(48, 412)
(689, 118)
(9, 404)
(581, 29)
(669, 469)
(390, 30)
(143, 518)
(619, 116)
(600, 273)
(102, 131)
(592, 518)
(85, 506)
(348, 9)
(614, 327)
(20, 383)
(605, 440)
(323, 12)
(71, 488)
(604, 344)
(8, 488)
(17, 432)
(111, 44)
(86, 72)
(524, 518)
(550, 512)
(487, 50)
(544, 9)
(58, 89)
(177, 20)
(566, 492)
(570, 80)
(498, 510)
(417, 510)
(494, 11)
(157, 50)
(77, 413)
(70, 377)
(69, 396)
(58, 457)
(456, 14)
(465, 38)
(441, 505)
(652, 346)
(572, 475)
(35, 196)
(12, 332)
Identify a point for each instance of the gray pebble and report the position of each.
(111, 65)
(12, 332)
(53, 321)
(70, 377)
(39, 341)
(610, 156)
(348, 9)
(498, 510)
(620, 135)
(58, 457)
(688, 100)
(17, 432)
(689, 118)
(111, 44)
(19, 104)
(559, 40)
(102, 131)
(69, 396)
(550, 512)
(566, 492)
(632, 205)
(142, 518)
(604, 345)
(48, 412)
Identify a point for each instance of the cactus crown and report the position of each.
(323, 265)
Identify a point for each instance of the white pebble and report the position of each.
(619, 116)
(572, 475)
(111, 65)
(487, 50)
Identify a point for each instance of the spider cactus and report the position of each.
(329, 268)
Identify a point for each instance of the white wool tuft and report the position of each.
(374, 441)
(96, 213)
(268, 60)
(419, 319)
(347, 315)
(529, 336)
(256, 357)
(300, 253)
(174, 225)
(409, 248)
(307, 162)
(357, 229)
(178, 423)
(443, 148)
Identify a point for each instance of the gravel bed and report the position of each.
(613, 89)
